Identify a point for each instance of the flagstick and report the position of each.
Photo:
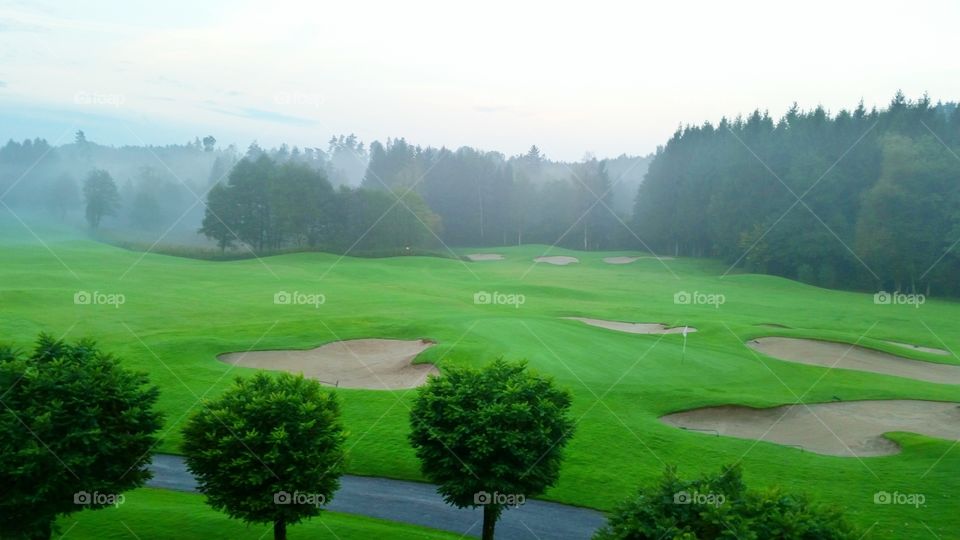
(683, 353)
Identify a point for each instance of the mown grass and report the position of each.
(180, 313)
(171, 515)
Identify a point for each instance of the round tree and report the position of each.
(490, 437)
(269, 450)
(76, 430)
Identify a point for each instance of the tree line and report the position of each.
(415, 197)
(861, 199)
(271, 449)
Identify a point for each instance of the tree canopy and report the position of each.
(269, 450)
(490, 437)
(76, 431)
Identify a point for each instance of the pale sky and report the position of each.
(600, 77)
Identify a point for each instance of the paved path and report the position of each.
(419, 504)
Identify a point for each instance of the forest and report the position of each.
(868, 200)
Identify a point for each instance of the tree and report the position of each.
(209, 143)
(219, 212)
(62, 196)
(721, 506)
(269, 450)
(101, 195)
(76, 431)
(490, 437)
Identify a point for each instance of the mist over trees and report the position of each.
(860, 199)
(863, 199)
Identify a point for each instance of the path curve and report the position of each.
(419, 504)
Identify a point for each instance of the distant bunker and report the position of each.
(374, 364)
(847, 356)
(849, 428)
(558, 260)
(634, 328)
(477, 257)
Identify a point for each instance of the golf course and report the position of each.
(677, 338)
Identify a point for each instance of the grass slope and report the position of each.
(180, 313)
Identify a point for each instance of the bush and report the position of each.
(721, 506)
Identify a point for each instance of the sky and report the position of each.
(601, 77)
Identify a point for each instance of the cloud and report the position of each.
(487, 109)
(3, 84)
(265, 116)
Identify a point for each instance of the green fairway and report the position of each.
(178, 314)
(169, 515)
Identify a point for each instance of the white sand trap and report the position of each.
(558, 260)
(634, 328)
(628, 260)
(485, 257)
(921, 348)
(853, 428)
(843, 356)
(619, 260)
(379, 364)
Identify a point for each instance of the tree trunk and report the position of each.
(489, 521)
(280, 530)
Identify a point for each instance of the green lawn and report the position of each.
(170, 515)
(180, 313)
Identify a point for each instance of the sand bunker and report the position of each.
(619, 260)
(485, 257)
(921, 348)
(557, 260)
(843, 356)
(634, 328)
(379, 364)
(628, 260)
(853, 428)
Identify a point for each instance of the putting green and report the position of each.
(177, 315)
